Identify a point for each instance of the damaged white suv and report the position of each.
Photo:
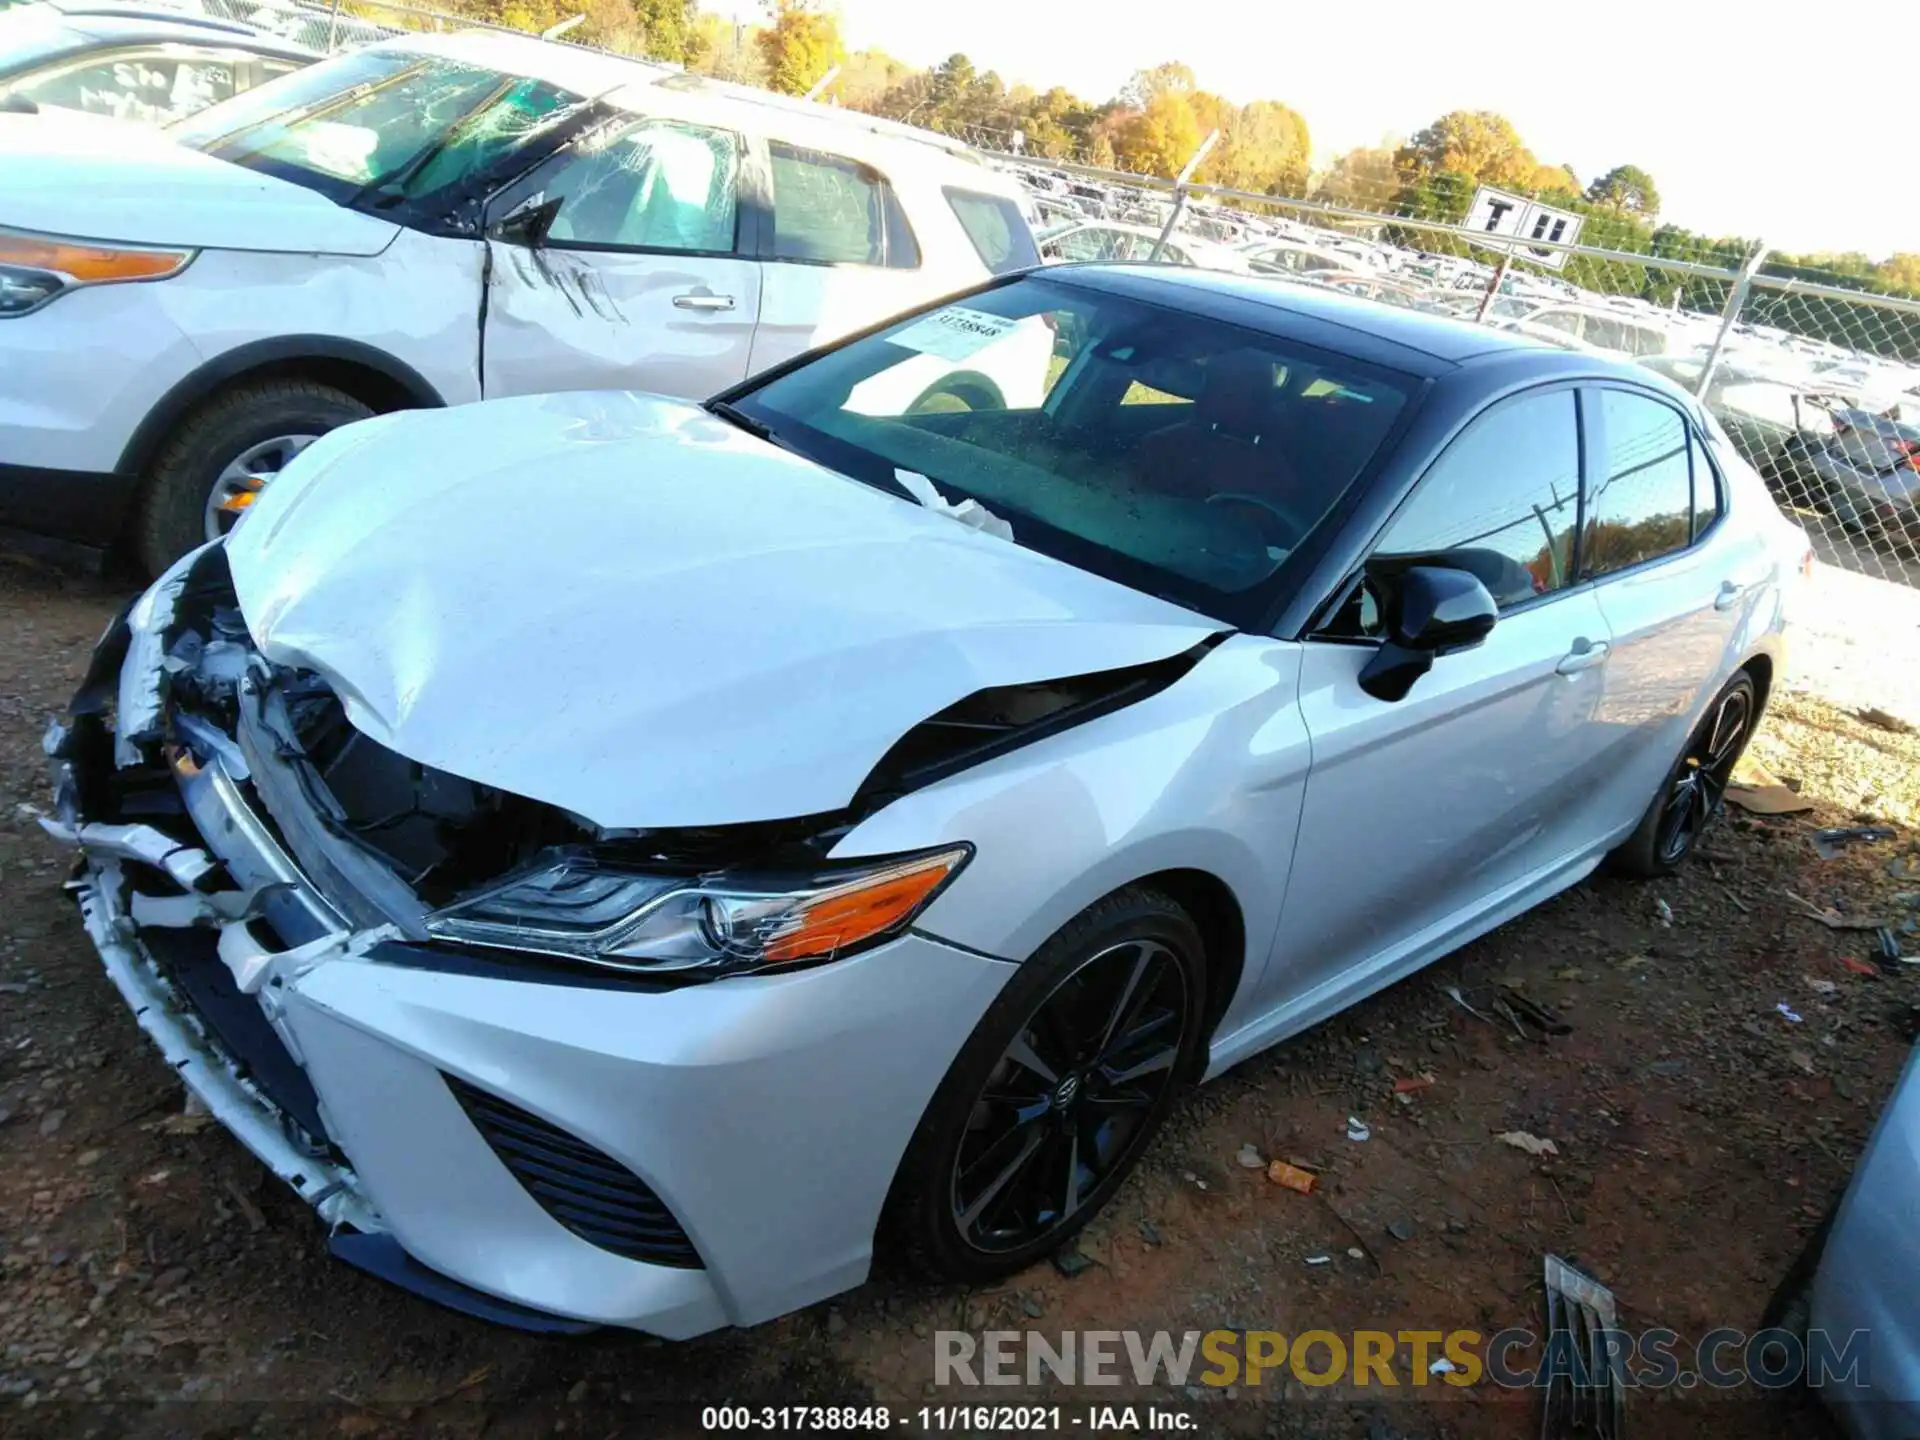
(426, 222)
(621, 859)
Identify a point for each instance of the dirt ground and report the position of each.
(158, 1282)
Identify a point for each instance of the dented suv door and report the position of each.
(621, 263)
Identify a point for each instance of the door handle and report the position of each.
(1584, 656)
(701, 300)
(1729, 592)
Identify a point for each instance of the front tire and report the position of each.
(1691, 797)
(1055, 1095)
(251, 427)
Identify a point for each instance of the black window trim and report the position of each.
(890, 197)
(1592, 458)
(1316, 629)
(746, 210)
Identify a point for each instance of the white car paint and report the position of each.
(638, 614)
(105, 180)
(603, 506)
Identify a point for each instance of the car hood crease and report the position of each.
(623, 606)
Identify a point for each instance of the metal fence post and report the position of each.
(1180, 192)
(1493, 286)
(333, 25)
(1736, 301)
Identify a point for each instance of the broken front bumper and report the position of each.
(580, 1144)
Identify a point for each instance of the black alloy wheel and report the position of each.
(1055, 1095)
(1694, 792)
(1070, 1097)
(1699, 787)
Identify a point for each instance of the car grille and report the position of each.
(586, 1190)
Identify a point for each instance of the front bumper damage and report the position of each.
(528, 1143)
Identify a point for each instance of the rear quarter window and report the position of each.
(997, 229)
(833, 211)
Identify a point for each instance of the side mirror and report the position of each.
(18, 105)
(1432, 611)
(529, 223)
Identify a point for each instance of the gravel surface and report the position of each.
(156, 1281)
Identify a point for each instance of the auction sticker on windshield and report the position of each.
(954, 332)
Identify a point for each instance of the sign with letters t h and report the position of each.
(1503, 215)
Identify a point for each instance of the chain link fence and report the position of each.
(330, 26)
(1816, 381)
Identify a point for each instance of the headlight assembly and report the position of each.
(576, 905)
(35, 270)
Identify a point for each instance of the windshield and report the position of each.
(386, 123)
(1180, 455)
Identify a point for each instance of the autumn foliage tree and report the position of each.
(799, 44)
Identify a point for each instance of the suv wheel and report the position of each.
(222, 451)
(1056, 1093)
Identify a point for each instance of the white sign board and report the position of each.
(1502, 214)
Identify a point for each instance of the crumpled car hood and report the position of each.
(626, 607)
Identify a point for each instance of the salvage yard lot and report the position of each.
(145, 1258)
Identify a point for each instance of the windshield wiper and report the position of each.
(739, 419)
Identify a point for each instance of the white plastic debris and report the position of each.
(1319, 1259)
(1442, 1366)
(1357, 1129)
(1249, 1158)
(1665, 912)
(1532, 1144)
(1793, 1016)
(970, 513)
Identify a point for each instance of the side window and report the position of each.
(1502, 501)
(657, 185)
(153, 86)
(828, 209)
(1640, 503)
(1093, 243)
(1706, 488)
(993, 223)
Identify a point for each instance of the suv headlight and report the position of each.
(577, 905)
(35, 270)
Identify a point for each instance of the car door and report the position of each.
(1426, 814)
(841, 254)
(622, 262)
(1673, 584)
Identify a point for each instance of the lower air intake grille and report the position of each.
(589, 1192)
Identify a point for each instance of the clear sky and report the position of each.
(1796, 124)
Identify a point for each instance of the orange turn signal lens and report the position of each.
(90, 264)
(864, 908)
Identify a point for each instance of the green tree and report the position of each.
(1626, 189)
(799, 44)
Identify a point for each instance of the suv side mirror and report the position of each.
(1432, 611)
(529, 223)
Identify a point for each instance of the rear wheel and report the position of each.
(224, 451)
(1056, 1093)
(1691, 797)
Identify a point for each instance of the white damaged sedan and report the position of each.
(623, 861)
